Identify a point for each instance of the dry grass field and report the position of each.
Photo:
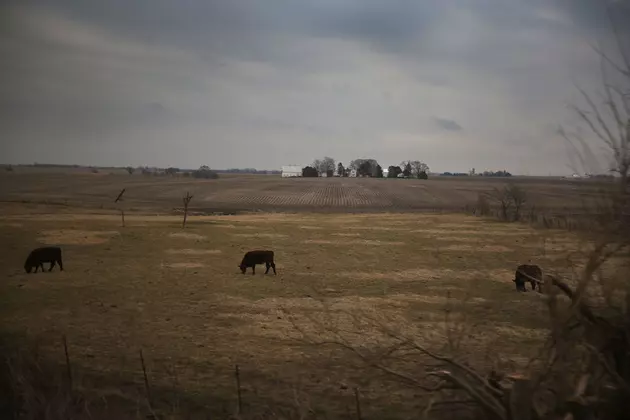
(178, 295)
(236, 193)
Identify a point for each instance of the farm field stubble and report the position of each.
(237, 193)
(179, 296)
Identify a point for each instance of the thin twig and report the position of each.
(238, 389)
(146, 381)
(357, 402)
(68, 366)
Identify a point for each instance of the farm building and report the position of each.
(353, 173)
(291, 171)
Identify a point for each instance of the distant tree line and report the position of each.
(502, 173)
(248, 171)
(365, 167)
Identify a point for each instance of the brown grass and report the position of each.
(370, 242)
(183, 265)
(75, 237)
(481, 248)
(114, 297)
(184, 235)
(260, 235)
(188, 251)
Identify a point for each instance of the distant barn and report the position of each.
(291, 171)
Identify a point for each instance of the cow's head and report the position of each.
(28, 267)
(243, 267)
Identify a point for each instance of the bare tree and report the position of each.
(186, 199)
(406, 168)
(325, 165)
(341, 171)
(122, 210)
(418, 168)
(502, 197)
(518, 197)
(130, 170)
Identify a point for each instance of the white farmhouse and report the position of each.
(291, 171)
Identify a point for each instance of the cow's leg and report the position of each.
(36, 268)
(268, 266)
(253, 269)
(60, 264)
(52, 264)
(273, 265)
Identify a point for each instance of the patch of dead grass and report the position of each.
(261, 235)
(378, 228)
(9, 224)
(520, 333)
(476, 248)
(184, 235)
(482, 231)
(188, 251)
(75, 237)
(183, 265)
(406, 275)
(229, 226)
(367, 316)
(372, 242)
(311, 227)
(500, 275)
(346, 234)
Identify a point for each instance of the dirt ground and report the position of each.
(178, 295)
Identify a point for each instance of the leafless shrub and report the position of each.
(518, 196)
(483, 206)
(511, 199)
(502, 197)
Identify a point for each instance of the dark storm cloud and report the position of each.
(447, 124)
(193, 82)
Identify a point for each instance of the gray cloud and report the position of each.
(201, 82)
(447, 124)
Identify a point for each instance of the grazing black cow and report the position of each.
(251, 258)
(527, 273)
(38, 256)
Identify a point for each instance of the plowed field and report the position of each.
(265, 192)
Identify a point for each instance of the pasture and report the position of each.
(178, 295)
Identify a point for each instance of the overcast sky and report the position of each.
(264, 83)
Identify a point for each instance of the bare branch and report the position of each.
(609, 139)
(605, 56)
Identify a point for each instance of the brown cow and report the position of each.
(38, 256)
(251, 258)
(527, 273)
